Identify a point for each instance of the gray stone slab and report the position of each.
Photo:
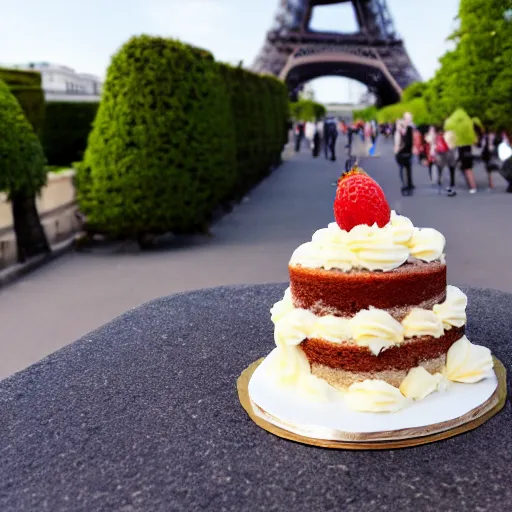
(143, 415)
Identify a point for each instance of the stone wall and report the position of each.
(56, 205)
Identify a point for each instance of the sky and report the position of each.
(84, 35)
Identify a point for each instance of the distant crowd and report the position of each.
(433, 147)
(439, 149)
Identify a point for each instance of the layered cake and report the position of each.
(369, 313)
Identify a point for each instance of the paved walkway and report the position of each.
(79, 292)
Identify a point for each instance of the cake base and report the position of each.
(472, 413)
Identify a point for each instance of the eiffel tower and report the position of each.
(375, 55)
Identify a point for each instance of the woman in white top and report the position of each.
(505, 155)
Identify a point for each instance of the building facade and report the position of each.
(61, 83)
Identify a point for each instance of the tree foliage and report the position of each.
(415, 90)
(417, 107)
(26, 88)
(475, 76)
(22, 174)
(365, 114)
(22, 159)
(307, 110)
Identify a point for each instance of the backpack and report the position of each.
(441, 146)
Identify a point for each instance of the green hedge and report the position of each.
(176, 134)
(260, 112)
(161, 154)
(65, 131)
(26, 88)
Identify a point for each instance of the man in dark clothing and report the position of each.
(299, 135)
(330, 137)
(404, 154)
(350, 134)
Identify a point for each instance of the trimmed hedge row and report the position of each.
(259, 106)
(26, 88)
(65, 131)
(176, 134)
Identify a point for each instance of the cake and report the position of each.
(368, 312)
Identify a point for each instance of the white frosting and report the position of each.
(369, 247)
(290, 367)
(376, 329)
(419, 383)
(452, 311)
(468, 363)
(374, 395)
(294, 327)
(332, 328)
(373, 328)
(282, 308)
(402, 228)
(427, 244)
(422, 322)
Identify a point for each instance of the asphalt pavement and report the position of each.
(83, 290)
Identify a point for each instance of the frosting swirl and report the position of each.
(452, 311)
(376, 329)
(281, 308)
(427, 244)
(419, 383)
(375, 248)
(369, 247)
(468, 363)
(422, 322)
(294, 327)
(374, 395)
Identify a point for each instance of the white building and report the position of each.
(61, 83)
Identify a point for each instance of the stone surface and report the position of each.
(143, 415)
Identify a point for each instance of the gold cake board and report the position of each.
(380, 440)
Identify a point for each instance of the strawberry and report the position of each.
(360, 200)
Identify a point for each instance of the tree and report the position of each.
(22, 174)
(415, 90)
(469, 73)
(307, 110)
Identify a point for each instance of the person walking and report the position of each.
(430, 156)
(489, 156)
(446, 157)
(466, 166)
(350, 135)
(367, 137)
(317, 139)
(403, 152)
(505, 156)
(309, 132)
(330, 138)
(299, 135)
